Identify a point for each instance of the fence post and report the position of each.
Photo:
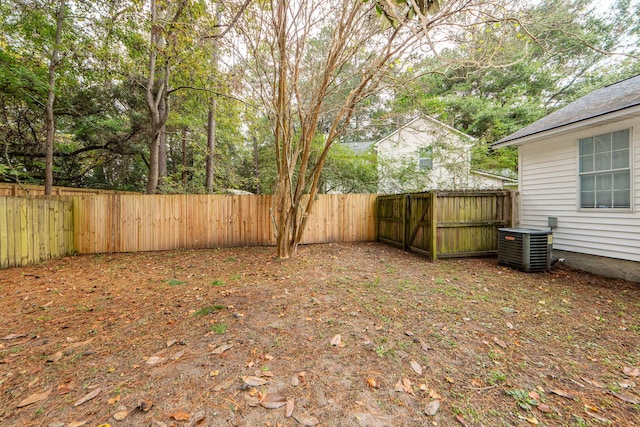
(405, 219)
(433, 226)
(515, 208)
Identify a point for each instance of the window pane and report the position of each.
(586, 163)
(620, 159)
(425, 164)
(604, 199)
(620, 139)
(587, 183)
(604, 181)
(621, 181)
(605, 176)
(603, 161)
(586, 146)
(588, 199)
(622, 199)
(603, 143)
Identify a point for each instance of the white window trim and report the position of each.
(420, 157)
(594, 133)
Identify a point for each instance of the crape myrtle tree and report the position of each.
(302, 53)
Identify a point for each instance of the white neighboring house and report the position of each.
(426, 154)
(579, 171)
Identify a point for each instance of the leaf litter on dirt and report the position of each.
(88, 397)
(132, 326)
(34, 398)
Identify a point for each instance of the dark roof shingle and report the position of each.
(615, 97)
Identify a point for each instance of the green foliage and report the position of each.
(504, 77)
(489, 82)
(522, 398)
(208, 310)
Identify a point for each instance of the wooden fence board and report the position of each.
(131, 223)
(34, 229)
(445, 224)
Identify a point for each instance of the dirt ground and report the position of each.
(342, 335)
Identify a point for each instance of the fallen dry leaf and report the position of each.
(371, 382)
(626, 398)
(254, 381)
(221, 349)
(544, 408)
(631, 372)
(121, 414)
(154, 360)
(34, 398)
(563, 393)
(55, 357)
(499, 342)
(87, 397)
(145, 405)
(336, 340)
(533, 420)
(178, 355)
(592, 383)
(424, 346)
(13, 336)
(180, 416)
(416, 367)
(598, 417)
(306, 420)
(432, 408)
(273, 401)
(224, 385)
(462, 421)
(251, 400)
(198, 417)
(288, 409)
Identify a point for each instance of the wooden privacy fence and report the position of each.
(131, 223)
(7, 189)
(35, 229)
(445, 224)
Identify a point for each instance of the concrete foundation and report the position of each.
(603, 266)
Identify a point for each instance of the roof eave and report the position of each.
(610, 117)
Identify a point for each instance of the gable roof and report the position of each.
(611, 103)
(427, 118)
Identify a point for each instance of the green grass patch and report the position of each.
(175, 282)
(218, 328)
(217, 283)
(208, 310)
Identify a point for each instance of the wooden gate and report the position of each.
(445, 224)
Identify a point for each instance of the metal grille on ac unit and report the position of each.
(525, 249)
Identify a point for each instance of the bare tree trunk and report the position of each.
(51, 98)
(153, 103)
(162, 157)
(211, 147)
(157, 98)
(256, 175)
(185, 175)
(283, 201)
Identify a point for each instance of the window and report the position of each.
(605, 174)
(425, 158)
